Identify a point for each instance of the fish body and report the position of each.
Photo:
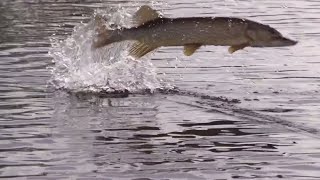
(154, 31)
(181, 31)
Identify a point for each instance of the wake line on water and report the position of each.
(227, 106)
(218, 104)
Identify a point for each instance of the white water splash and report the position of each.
(79, 68)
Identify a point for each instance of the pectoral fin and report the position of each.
(235, 48)
(145, 14)
(140, 49)
(189, 49)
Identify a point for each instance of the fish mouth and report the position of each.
(285, 42)
(276, 42)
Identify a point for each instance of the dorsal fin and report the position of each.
(145, 14)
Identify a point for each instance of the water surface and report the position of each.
(250, 115)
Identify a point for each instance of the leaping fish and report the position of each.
(154, 31)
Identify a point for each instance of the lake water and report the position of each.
(254, 114)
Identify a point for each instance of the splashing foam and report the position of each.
(79, 68)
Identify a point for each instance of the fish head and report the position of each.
(261, 35)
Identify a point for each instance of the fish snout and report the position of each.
(283, 41)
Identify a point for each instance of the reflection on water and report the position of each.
(148, 136)
(254, 114)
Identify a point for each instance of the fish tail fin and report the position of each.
(103, 36)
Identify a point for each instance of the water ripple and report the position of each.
(253, 114)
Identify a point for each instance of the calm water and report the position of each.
(251, 115)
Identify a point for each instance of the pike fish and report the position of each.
(153, 31)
